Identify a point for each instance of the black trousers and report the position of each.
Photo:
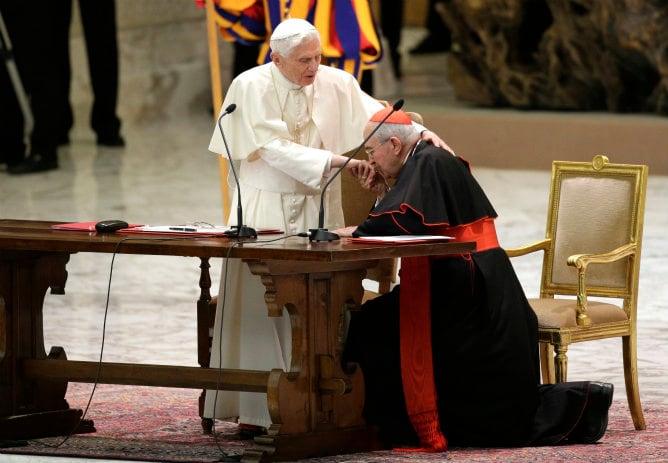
(391, 22)
(37, 31)
(98, 18)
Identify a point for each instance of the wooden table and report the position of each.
(316, 409)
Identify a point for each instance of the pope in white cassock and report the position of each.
(292, 117)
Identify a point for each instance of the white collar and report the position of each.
(410, 155)
(282, 86)
(281, 81)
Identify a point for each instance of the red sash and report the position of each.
(417, 368)
(482, 232)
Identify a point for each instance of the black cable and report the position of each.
(220, 336)
(104, 327)
(220, 352)
(99, 363)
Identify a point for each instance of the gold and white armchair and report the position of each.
(591, 265)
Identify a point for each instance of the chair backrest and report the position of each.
(594, 207)
(355, 200)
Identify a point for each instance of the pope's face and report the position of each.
(301, 65)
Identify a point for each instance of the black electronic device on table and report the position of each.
(108, 226)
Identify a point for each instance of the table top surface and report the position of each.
(33, 235)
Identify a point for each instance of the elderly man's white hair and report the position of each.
(291, 33)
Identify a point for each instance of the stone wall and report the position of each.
(560, 54)
(164, 61)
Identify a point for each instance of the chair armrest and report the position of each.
(581, 261)
(542, 245)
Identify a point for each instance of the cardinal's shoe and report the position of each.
(594, 421)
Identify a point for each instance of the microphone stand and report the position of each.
(239, 230)
(321, 233)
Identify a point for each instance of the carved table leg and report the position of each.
(206, 313)
(30, 408)
(316, 408)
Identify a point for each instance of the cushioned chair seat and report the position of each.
(562, 313)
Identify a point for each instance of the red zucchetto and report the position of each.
(397, 117)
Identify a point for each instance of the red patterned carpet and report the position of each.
(161, 424)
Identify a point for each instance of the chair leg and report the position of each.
(629, 354)
(560, 363)
(546, 362)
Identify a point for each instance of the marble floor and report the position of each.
(165, 175)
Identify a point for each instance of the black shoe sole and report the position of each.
(594, 423)
(29, 167)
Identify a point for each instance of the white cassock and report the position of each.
(283, 137)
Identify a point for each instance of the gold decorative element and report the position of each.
(600, 161)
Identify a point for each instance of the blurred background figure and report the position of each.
(438, 38)
(391, 22)
(35, 30)
(98, 20)
(350, 40)
(39, 35)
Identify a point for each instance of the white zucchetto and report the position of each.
(290, 28)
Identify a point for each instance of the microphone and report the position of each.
(239, 230)
(321, 233)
